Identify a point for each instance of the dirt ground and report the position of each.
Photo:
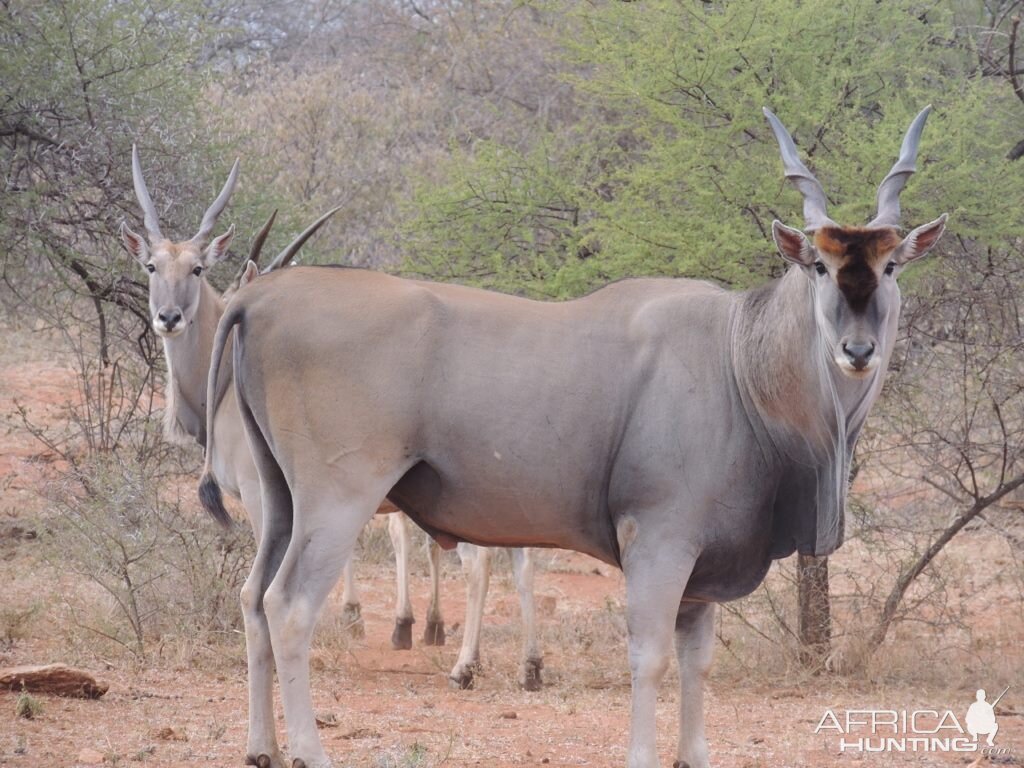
(396, 708)
(386, 708)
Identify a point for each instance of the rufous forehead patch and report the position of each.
(867, 244)
(174, 251)
(857, 253)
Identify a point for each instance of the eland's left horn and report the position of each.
(889, 190)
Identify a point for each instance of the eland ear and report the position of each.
(250, 273)
(218, 247)
(135, 244)
(920, 241)
(792, 244)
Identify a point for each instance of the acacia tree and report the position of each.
(668, 167)
(80, 82)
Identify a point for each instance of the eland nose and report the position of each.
(169, 317)
(859, 353)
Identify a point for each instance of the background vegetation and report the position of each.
(541, 148)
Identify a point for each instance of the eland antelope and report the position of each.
(685, 433)
(185, 310)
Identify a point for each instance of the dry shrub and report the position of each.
(585, 648)
(16, 624)
(133, 564)
(161, 571)
(757, 634)
(964, 608)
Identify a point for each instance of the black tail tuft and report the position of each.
(210, 498)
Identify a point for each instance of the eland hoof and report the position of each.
(264, 760)
(298, 762)
(352, 620)
(529, 675)
(401, 638)
(434, 633)
(461, 681)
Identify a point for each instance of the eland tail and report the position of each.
(209, 490)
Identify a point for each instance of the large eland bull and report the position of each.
(688, 434)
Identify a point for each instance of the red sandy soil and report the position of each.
(391, 707)
(396, 708)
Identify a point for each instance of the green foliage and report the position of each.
(354, 124)
(80, 82)
(505, 219)
(671, 169)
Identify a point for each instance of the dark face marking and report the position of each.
(859, 254)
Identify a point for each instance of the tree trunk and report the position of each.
(815, 620)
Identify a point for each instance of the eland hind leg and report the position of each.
(533, 662)
(695, 644)
(398, 530)
(326, 524)
(476, 568)
(271, 518)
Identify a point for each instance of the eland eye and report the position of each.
(890, 267)
(150, 268)
(820, 268)
(197, 271)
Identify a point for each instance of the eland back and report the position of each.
(685, 433)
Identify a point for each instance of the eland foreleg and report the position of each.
(695, 644)
(533, 662)
(656, 575)
(273, 530)
(398, 530)
(476, 568)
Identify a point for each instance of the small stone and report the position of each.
(361, 733)
(545, 761)
(327, 720)
(167, 733)
(508, 715)
(90, 756)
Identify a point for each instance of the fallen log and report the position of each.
(56, 679)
